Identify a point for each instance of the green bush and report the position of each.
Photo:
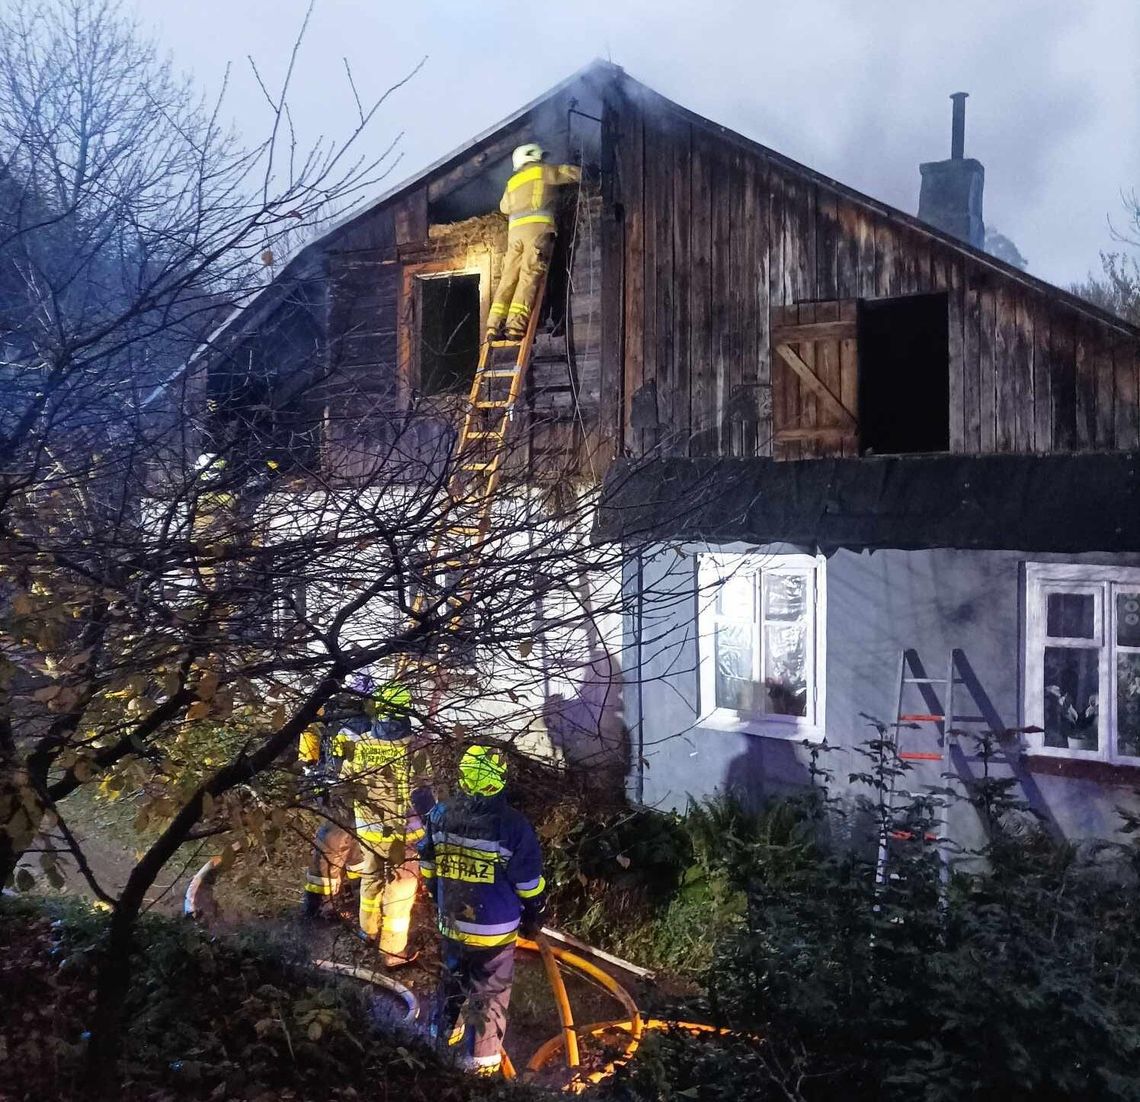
(1018, 980)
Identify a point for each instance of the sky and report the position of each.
(857, 89)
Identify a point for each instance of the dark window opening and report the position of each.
(904, 375)
(449, 332)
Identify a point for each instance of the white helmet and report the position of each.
(210, 465)
(529, 154)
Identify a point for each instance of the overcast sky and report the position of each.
(854, 88)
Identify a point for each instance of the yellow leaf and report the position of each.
(198, 710)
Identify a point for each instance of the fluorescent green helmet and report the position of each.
(391, 701)
(482, 771)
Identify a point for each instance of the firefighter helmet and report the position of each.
(482, 771)
(391, 701)
(529, 154)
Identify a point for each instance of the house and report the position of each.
(843, 446)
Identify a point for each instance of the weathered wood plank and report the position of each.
(847, 250)
(744, 411)
(1084, 366)
(826, 244)
(1021, 364)
(1004, 382)
(702, 381)
(987, 376)
(948, 277)
(828, 369)
(720, 309)
(631, 163)
(799, 364)
(411, 219)
(645, 437)
(1062, 343)
(865, 245)
(761, 286)
(831, 435)
(1126, 360)
(830, 330)
(660, 163)
(736, 234)
(971, 367)
(886, 259)
(783, 382)
(607, 442)
(1042, 384)
(680, 414)
(808, 415)
(1105, 392)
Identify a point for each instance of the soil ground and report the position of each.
(263, 891)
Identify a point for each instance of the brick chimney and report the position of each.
(951, 193)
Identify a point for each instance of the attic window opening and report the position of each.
(448, 331)
(904, 375)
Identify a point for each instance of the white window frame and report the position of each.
(711, 568)
(1103, 582)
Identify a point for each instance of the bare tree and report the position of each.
(168, 632)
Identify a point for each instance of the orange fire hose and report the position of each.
(561, 1001)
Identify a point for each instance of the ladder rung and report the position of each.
(921, 717)
(925, 681)
(505, 344)
(466, 529)
(491, 405)
(499, 372)
(476, 466)
(484, 435)
(916, 756)
(907, 835)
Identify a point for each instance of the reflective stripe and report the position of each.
(446, 839)
(321, 885)
(427, 869)
(531, 219)
(413, 835)
(531, 888)
(519, 308)
(370, 903)
(480, 941)
(487, 1061)
(524, 176)
(397, 925)
(318, 889)
(497, 309)
(486, 927)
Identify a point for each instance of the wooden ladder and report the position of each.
(478, 458)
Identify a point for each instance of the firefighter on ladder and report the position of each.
(482, 861)
(528, 203)
(379, 762)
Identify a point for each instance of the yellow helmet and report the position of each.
(482, 771)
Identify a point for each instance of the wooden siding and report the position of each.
(714, 234)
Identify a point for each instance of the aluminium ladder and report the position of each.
(926, 722)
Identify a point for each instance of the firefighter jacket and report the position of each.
(530, 195)
(390, 791)
(482, 861)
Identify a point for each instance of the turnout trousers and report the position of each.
(481, 979)
(336, 858)
(387, 895)
(529, 248)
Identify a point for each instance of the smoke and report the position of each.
(856, 90)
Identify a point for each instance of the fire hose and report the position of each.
(198, 903)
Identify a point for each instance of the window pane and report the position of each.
(1071, 686)
(735, 596)
(734, 685)
(785, 668)
(1128, 704)
(1070, 615)
(1128, 619)
(787, 596)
